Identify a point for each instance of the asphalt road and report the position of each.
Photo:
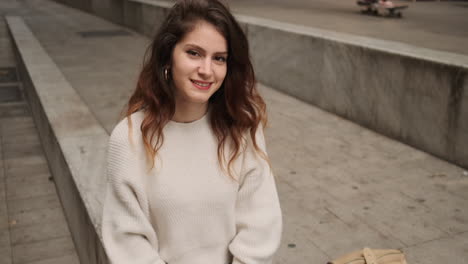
(430, 24)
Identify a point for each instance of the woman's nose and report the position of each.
(205, 68)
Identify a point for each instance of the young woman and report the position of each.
(188, 177)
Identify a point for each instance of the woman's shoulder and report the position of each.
(125, 151)
(128, 128)
(259, 135)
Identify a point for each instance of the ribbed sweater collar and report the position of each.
(203, 121)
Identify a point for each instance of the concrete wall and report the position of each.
(109, 9)
(76, 151)
(415, 95)
(412, 94)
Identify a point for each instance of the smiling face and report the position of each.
(199, 65)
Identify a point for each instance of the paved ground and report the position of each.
(431, 24)
(33, 229)
(341, 186)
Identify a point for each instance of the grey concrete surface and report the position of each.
(341, 186)
(32, 225)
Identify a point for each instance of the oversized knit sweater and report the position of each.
(186, 210)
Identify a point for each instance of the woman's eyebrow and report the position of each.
(203, 50)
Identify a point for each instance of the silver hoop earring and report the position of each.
(166, 75)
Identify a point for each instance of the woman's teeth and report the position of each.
(201, 84)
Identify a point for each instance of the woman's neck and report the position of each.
(186, 113)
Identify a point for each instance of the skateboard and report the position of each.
(372, 7)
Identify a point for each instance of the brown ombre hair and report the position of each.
(236, 108)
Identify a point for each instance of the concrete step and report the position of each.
(33, 228)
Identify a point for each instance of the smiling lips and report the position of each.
(202, 85)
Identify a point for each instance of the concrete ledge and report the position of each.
(143, 16)
(74, 142)
(415, 95)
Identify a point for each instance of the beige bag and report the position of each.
(372, 256)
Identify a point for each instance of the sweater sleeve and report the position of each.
(127, 233)
(258, 213)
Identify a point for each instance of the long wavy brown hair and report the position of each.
(236, 108)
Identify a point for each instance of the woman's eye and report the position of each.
(192, 53)
(220, 58)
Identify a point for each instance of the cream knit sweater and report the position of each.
(186, 210)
